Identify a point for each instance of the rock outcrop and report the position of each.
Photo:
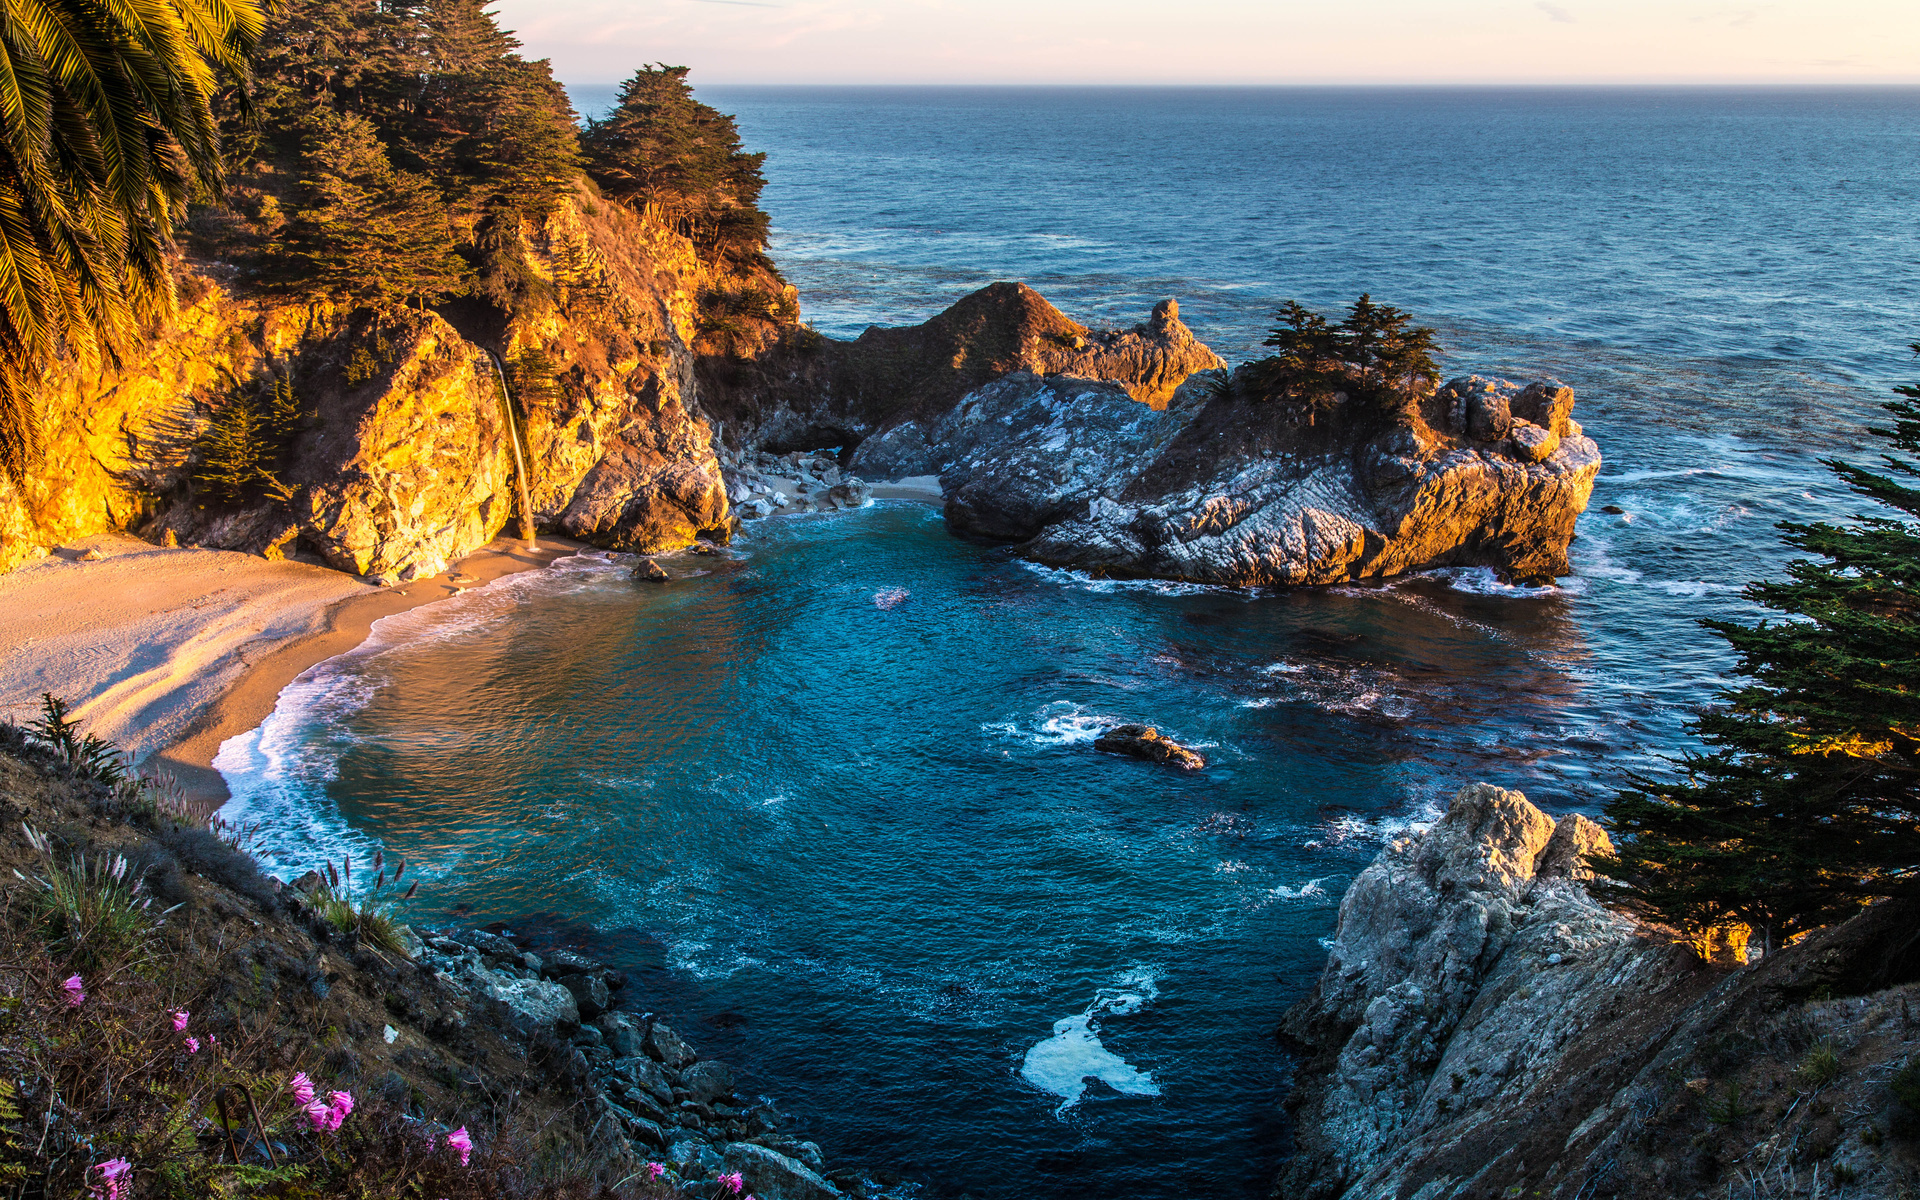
(817, 392)
(1216, 489)
(1483, 1027)
(1144, 741)
(403, 458)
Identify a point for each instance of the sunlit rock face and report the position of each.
(1217, 489)
(404, 455)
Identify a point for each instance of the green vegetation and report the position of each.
(237, 455)
(1805, 803)
(91, 911)
(84, 755)
(106, 131)
(1374, 359)
(679, 159)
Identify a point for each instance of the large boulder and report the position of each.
(535, 1004)
(826, 392)
(771, 1175)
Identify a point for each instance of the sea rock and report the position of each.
(1081, 475)
(589, 993)
(665, 1046)
(772, 1175)
(535, 1003)
(1435, 1002)
(650, 571)
(625, 1036)
(851, 493)
(1144, 741)
(560, 963)
(823, 392)
(709, 1081)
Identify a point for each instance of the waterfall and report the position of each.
(519, 463)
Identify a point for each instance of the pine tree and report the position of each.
(672, 156)
(1806, 801)
(1375, 357)
(363, 231)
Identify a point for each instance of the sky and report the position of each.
(1228, 41)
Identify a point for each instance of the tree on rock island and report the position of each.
(1376, 359)
(1805, 803)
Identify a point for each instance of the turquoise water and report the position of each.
(868, 854)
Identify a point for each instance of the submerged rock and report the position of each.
(1144, 741)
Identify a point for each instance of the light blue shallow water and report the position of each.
(868, 854)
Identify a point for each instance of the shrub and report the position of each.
(1820, 1067)
(87, 757)
(1905, 1086)
(238, 454)
(94, 910)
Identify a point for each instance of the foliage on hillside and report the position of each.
(106, 131)
(170, 1028)
(1805, 803)
(671, 155)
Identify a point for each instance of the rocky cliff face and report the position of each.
(403, 458)
(1217, 490)
(815, 392)
(1483, 1027)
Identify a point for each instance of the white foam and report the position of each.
(1160, 587)
(1061, 723)
(1312, 889)
(889, 597)
(276, 774)
(1062, 1064)
(1482, 581)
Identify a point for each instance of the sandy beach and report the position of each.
(171, 652)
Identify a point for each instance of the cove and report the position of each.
(858, 844)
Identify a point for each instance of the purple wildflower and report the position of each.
(459, 1140)
(76, 996)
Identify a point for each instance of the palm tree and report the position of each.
(106, 132)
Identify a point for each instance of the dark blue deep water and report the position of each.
(867, 853)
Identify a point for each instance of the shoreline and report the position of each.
(251, 698)
(169, 652)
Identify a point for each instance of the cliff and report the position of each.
(1217, 489)
(1484, 1027)
(401, 458)
(807, 392)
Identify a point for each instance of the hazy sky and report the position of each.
(1229, 41)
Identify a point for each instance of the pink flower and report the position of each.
(459, 1140)
(655, 1170)
(113, 1179)
(733, 1183)
(193, 1045)
(76, 996)
(180, 1021)
(317, 1113)
(342, 1105)
(302, 1088)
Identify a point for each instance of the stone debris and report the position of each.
(755, 481)
(672, 1105)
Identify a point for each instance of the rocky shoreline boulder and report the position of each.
(1484, 1027)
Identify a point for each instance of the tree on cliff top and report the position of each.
(681, 160)
(106, 131)
(362, 230)
(1806, 802)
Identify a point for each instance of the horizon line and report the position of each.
(1438, 85)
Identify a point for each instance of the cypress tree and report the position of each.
(1805, 802)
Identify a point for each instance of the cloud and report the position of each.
(1554, 11)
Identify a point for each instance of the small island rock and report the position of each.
(1144, 741)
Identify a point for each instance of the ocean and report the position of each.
(865, 851)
